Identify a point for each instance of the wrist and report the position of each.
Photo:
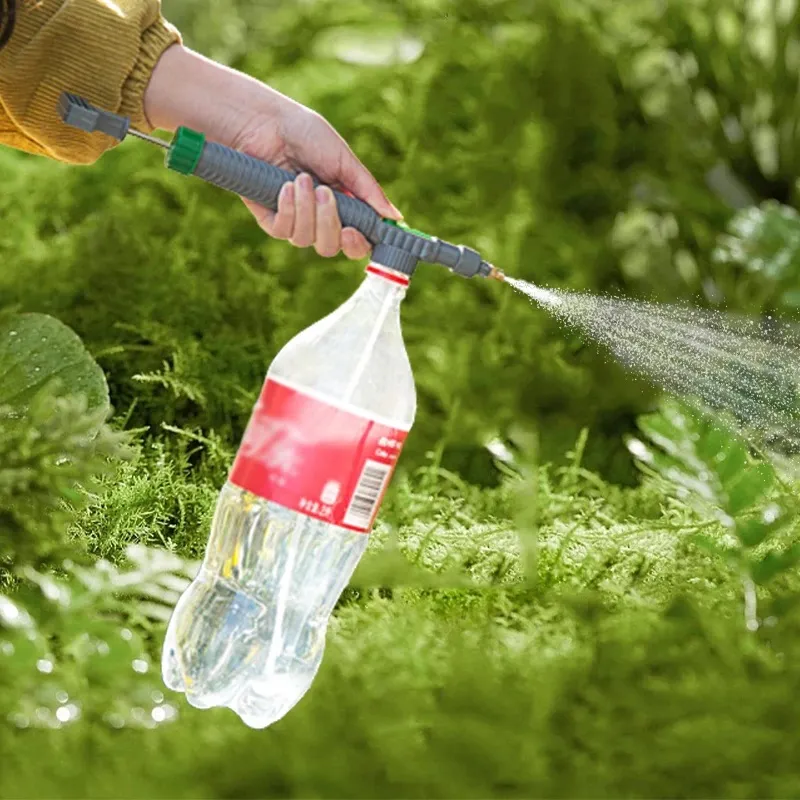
(188, 89)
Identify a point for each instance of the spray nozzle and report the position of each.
(395, 245)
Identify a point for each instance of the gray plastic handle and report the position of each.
(261, 182)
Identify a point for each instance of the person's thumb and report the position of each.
(358, 180)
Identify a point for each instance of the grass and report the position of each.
(613, 662)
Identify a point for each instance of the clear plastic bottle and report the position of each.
(292, 521)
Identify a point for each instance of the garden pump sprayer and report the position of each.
(395, 246)
(307, 482)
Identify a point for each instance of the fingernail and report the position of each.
(397, 210)
(324, 195)
(287, 191)
(304, 181)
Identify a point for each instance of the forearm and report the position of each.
(189, 89)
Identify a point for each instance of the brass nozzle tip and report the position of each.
(496, 274)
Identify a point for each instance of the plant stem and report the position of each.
(750, 604)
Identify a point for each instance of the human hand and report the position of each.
(296, 138)
(238, 111)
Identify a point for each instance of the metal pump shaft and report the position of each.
(395, 245)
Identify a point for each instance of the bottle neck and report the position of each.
(388, 274)
(383, 283)
(377, 303)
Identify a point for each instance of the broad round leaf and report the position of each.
(36, 349)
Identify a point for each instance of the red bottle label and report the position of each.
(326, 461)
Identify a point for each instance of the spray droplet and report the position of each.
(12, 616)
(114, 720)
(716, 360)
(544, 297)
(68, 713)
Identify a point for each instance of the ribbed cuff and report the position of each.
(155, 40)
(103, 51)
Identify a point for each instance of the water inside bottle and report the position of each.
(249, 633)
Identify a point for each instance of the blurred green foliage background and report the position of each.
(566, 620)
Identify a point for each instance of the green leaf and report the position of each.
(751, 484)
(699, 454)
(52, 455)
(36, 349)
(710, 544)
(752, 532)
(765, 240)
(774, 563)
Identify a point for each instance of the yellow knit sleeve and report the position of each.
(104, 50)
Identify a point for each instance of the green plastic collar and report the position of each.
(407, 228)
(185, 150)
